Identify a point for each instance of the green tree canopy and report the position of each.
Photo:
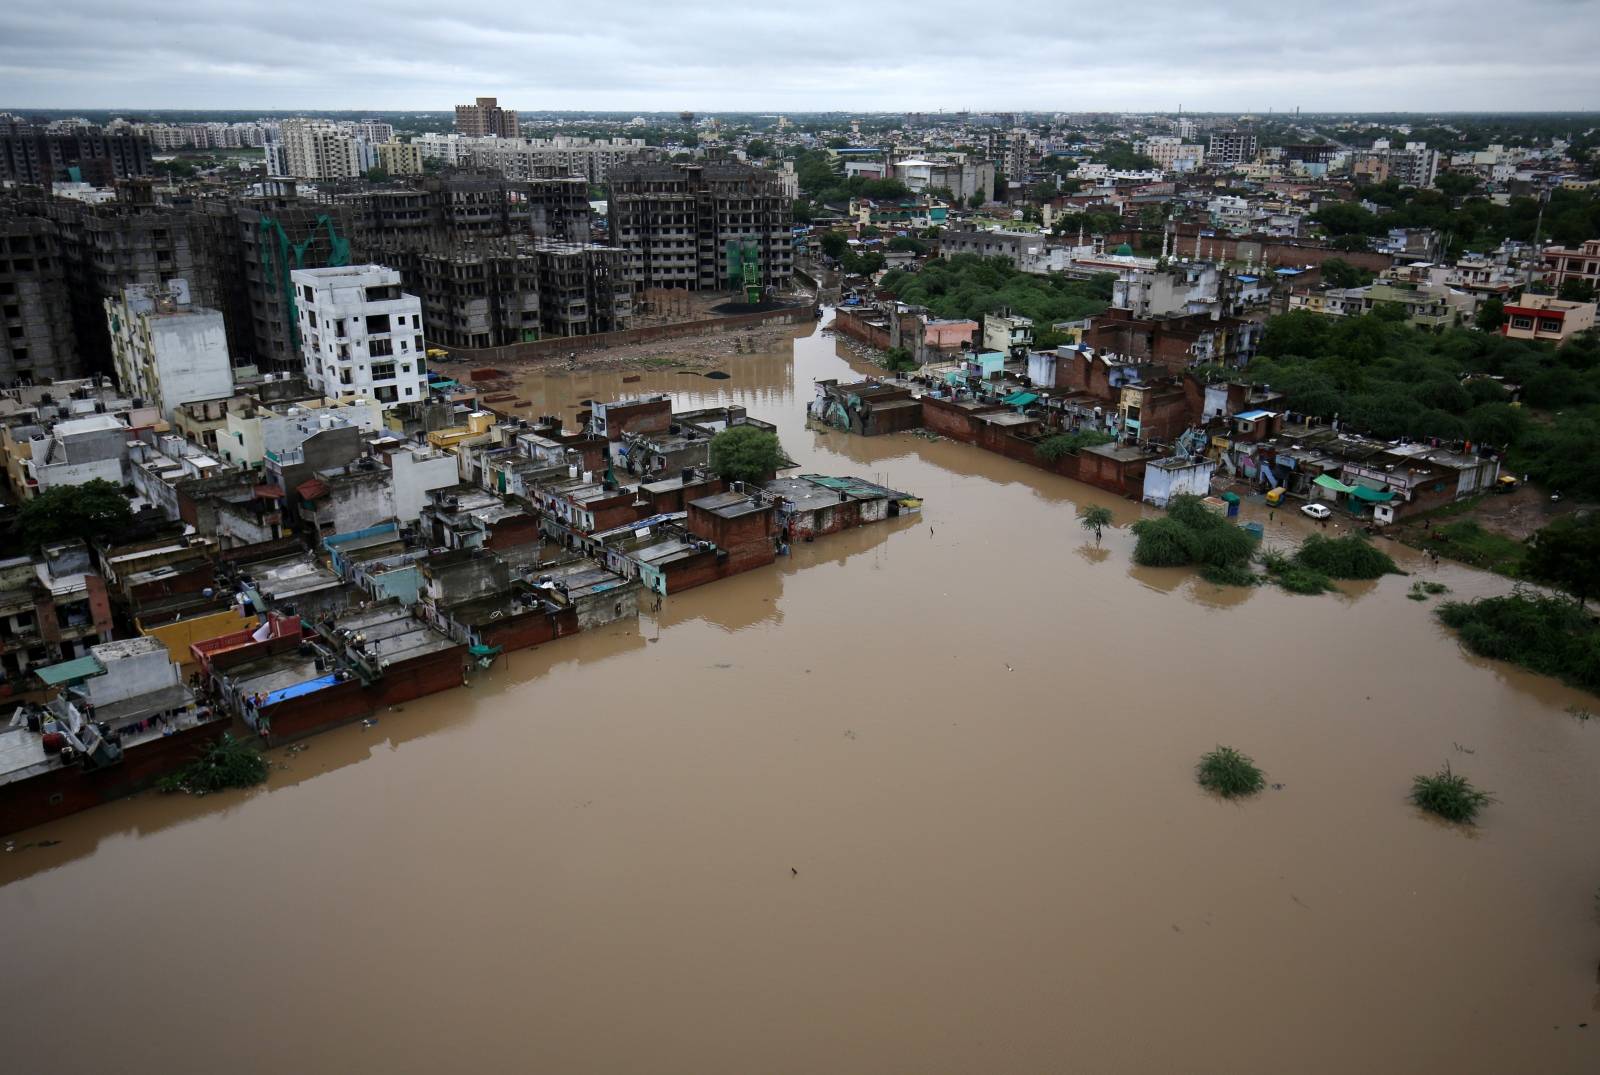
(969, 286)
(1566, 554)
(94, 510)
(746, 453)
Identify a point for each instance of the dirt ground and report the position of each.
(690, 352)
(1516, 514)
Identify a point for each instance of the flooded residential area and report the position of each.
(917, 796)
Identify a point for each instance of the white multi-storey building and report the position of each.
(313, 149)
(360, 334)
(166, 350)
(1171, 154)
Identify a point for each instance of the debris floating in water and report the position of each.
(718, 375)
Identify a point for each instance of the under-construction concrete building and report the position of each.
(263, 240)
(110, 247)
(584, 288)
(477, 296)
(36, 338)
(696, 225)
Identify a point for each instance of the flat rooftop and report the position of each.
(729, 505)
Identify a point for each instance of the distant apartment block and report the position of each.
(35, 155)
(361, 335)
(313, 149)
(486, 117)
(399, 158)
(1171, 154)
(1231, 147)
(696, 226)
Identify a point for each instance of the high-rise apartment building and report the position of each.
(313, 149)
(399, 158)
(697, 226)
(361, 334)
(1231, 147)
(486, 118)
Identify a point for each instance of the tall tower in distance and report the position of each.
(486, 118)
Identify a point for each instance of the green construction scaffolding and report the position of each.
(291, 256)
(743, 258)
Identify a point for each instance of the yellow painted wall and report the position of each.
(178, 637)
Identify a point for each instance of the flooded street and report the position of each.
(919, 798)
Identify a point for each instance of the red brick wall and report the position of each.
(531, 630)
(852, 325)
(731, 534)
(649, 416)
(26, 803)
(513, 532)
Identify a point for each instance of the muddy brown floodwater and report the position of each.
(972, 734)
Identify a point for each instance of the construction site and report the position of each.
(501, 266)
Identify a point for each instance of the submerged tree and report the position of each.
(746, 453)
(1095, 517)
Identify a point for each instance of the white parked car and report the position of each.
(1317, 511)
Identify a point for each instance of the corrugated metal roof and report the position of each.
(54, 675)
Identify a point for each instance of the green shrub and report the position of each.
(1191, 533)
(1303, 580)
(1229, 773)
(1063, 444)
(1229, 575)
(1348, 557)
(1549, 635)
(1450, 796)
(1162, 543)
(227, 763)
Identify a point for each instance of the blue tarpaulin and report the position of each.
(298, 689)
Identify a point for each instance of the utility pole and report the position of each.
(1538, 227)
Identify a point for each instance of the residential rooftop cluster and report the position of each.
(344, 557)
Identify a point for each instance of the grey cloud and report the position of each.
(654, 55)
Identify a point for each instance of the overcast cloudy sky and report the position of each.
(666, 55)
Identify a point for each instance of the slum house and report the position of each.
(119, 723)
(466, 518)
(449, 578)
(659, 551)
(813, 505)
(518, 618)
(654, 454)
(740, 524)
(642, 414)
(1153, 412)
(361, 660)
(295, 585)
(1175, 343)
(998, 428)
(52, 608)
(596, 594)
(671, 494)
(867, 408)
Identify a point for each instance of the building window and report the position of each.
(1522, 322)
(1548, 324)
